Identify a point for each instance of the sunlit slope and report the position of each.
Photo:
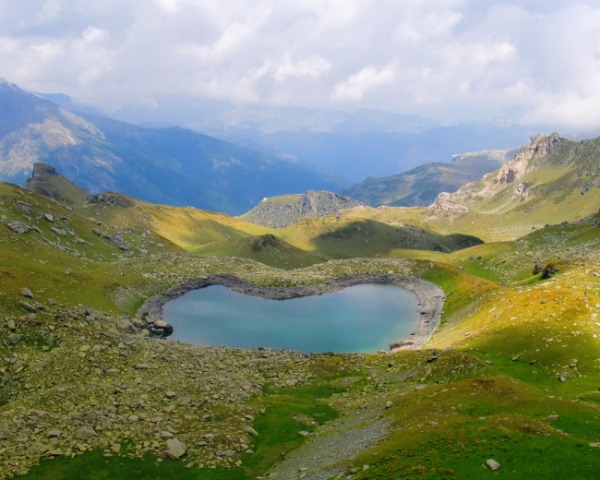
(267, 249)
(344, 237)
(551, 181)
(565, 246)
(189, 228)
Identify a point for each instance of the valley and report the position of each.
(88, 385)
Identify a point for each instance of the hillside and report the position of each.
(171, 165)
(282, 211)
(420, 187)
(552, 180)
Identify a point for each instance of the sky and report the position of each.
(449, 60)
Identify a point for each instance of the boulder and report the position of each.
(250, 431)
(19, 227)
(85, 433)
(13, 339)
(492, 464)
(175, 449)
(26, 292)
(49, 217)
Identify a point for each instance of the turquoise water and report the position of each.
(363, 318)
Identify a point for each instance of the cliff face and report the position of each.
(507, 185)
(46, 181)
(281, 212)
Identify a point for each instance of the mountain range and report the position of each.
(422, 185)
(166, 165)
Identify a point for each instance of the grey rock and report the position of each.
(54, 433)
(49, 217)
(125, 325)
(175, 449)
(19, 227)
(59, 231)
(26, 292)
(492, 464)
(250, 431)
(29, 307)
(85, 433)
(10, 324)
(13, 339)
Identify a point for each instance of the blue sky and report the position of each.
(450, 60)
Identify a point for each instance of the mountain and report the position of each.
(357, 156)
(71, 104)
(282, 211)
(210, 115)
(421, 186)
(169, 165)
(550, 181)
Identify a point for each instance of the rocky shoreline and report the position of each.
(431, 299)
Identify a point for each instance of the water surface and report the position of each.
(362, 318)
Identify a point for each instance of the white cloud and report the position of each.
(310, 67)
(355, 87)
(449, 59)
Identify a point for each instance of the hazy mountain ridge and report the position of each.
(421, 186)
(172, 165)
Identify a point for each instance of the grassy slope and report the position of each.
(489, 397)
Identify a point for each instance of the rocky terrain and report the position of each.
(281, 212)
(504, 381)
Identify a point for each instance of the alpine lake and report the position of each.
(358, 319)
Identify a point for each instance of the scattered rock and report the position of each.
(175, 449)
(26, 292)
(19, 228)
(13, 339)
(492, 464)
(250, 431)
(49, 217)
(86, 433)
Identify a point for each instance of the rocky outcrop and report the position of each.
(470, 195)
(46, 181)
(117, 240)
(541, 145)
(281, 212)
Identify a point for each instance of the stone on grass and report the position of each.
(26, 292)
(49, 217)
(250, 431)
(85, 433)
(19, 228)
(13, 339)
(175, 449)
(492, 464)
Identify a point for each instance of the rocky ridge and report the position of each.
(281, 212)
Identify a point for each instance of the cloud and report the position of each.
(453, 60)
(355, 87)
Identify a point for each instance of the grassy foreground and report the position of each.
(511, 375)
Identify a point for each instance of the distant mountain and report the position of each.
(381, 154)
(171, 165)
(71, 104)
(207, 115)
(283, 211)
(421, 186)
